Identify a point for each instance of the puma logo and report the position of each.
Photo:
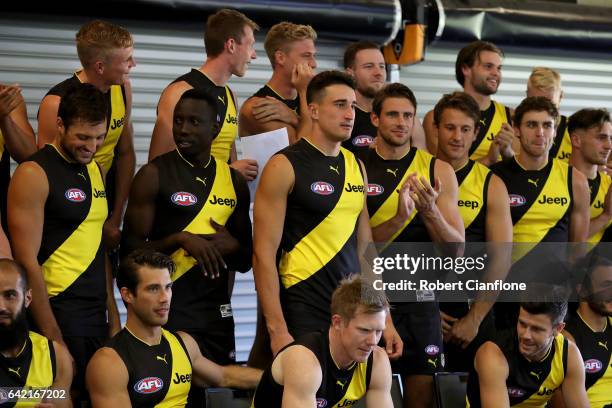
(221, 99)
(534, 182)
(82, 175)
(341, 383)
(432, 362)
(484, 122)
(161, 359)
(536, 375)
(334, 169)
(11, 370)
(394, 172)
(201, 181)
(603, 344)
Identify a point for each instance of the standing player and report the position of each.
(291, 51)
(229, 42)
(400, 180)
(310, 208)
(478, 70)
(483, 205)
(546, 82)
(57, 209)
(144, 365)
(339, 366)
(106, 54)
(591, 132)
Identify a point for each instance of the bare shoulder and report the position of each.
(490, 359)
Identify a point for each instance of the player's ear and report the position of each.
(374, 119)
(336, 321)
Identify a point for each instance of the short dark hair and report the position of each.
(199, 95)
(6, 263)
(353, 293)
(83, 102)
(588, 118)
(537, 104)
(222, 26)
(128, 270)
(324, 79)
(351, 51)
(547, 299)
(460, 101)
(394, 90)
(469, 54)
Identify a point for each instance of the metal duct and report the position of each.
(536, 24)
(375, 20)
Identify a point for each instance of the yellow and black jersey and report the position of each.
(562, 144)
(266, 90)
(473, 180)
(33, 368)
(599, 188)
(529, 383)
(160, 375)
(363, 133)
(339, 387)
(540, 200)
(385, 178)
(189, 197)
(596, 350)
(71, 251)
(227, 114)
(319, 242)
(490, 124)
(117, 105)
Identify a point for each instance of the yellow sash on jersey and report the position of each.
(357, 387)
(597, 206)
(421, 164)
(498, 119)
(222, 187)
(471, 191)
(222, 144)
(181, 365)
(321, 244)
(600, 393)
(565, 150)
(40, 374)
(553, 380)
(74, 256)
(543, 214)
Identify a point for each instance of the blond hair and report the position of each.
(96, 39)
(355, 294)
(281, 35)
(545, 78)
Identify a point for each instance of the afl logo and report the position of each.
(75, 195)
(592, 366)
(149, 385)
(432, 349)
(375, 189)
(183, 198)
(362, 141)
(516, 200)
(322, 188)
(515, 392)
(321, 402)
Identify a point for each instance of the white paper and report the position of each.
(261, 147)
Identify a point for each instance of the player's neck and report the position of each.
(216, 69)
(594, 320)
(280, 84)
(16, 350)
(88, 77)
(337, 352)
(529, 162)
(457, 164)
(588, 169)
(148, 334)
(389, 152)
(483, 101)
(323, 143)
(364, 102)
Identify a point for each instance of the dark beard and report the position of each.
(599, 308)
(368, 92)
(15, 333)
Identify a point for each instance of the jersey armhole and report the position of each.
(180, 340)
(432, 172)
(485, 190)
(570, 186)
(508, 116)
(369, 370)
(565, 351)
(53, 359)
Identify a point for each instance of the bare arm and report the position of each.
(574, 392)
(379, 390)
(5, 247)
(492, 369)
(269, 216)
(259, 115)
(579, 218)
(300, 78)
(63, 377)
(47, 119)
(107, 380)
(162, 140)
(431, 133)
(207, 373)
(418, 138)
(27, 195)
(16, 130)
(114, 321)
(299, 390)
